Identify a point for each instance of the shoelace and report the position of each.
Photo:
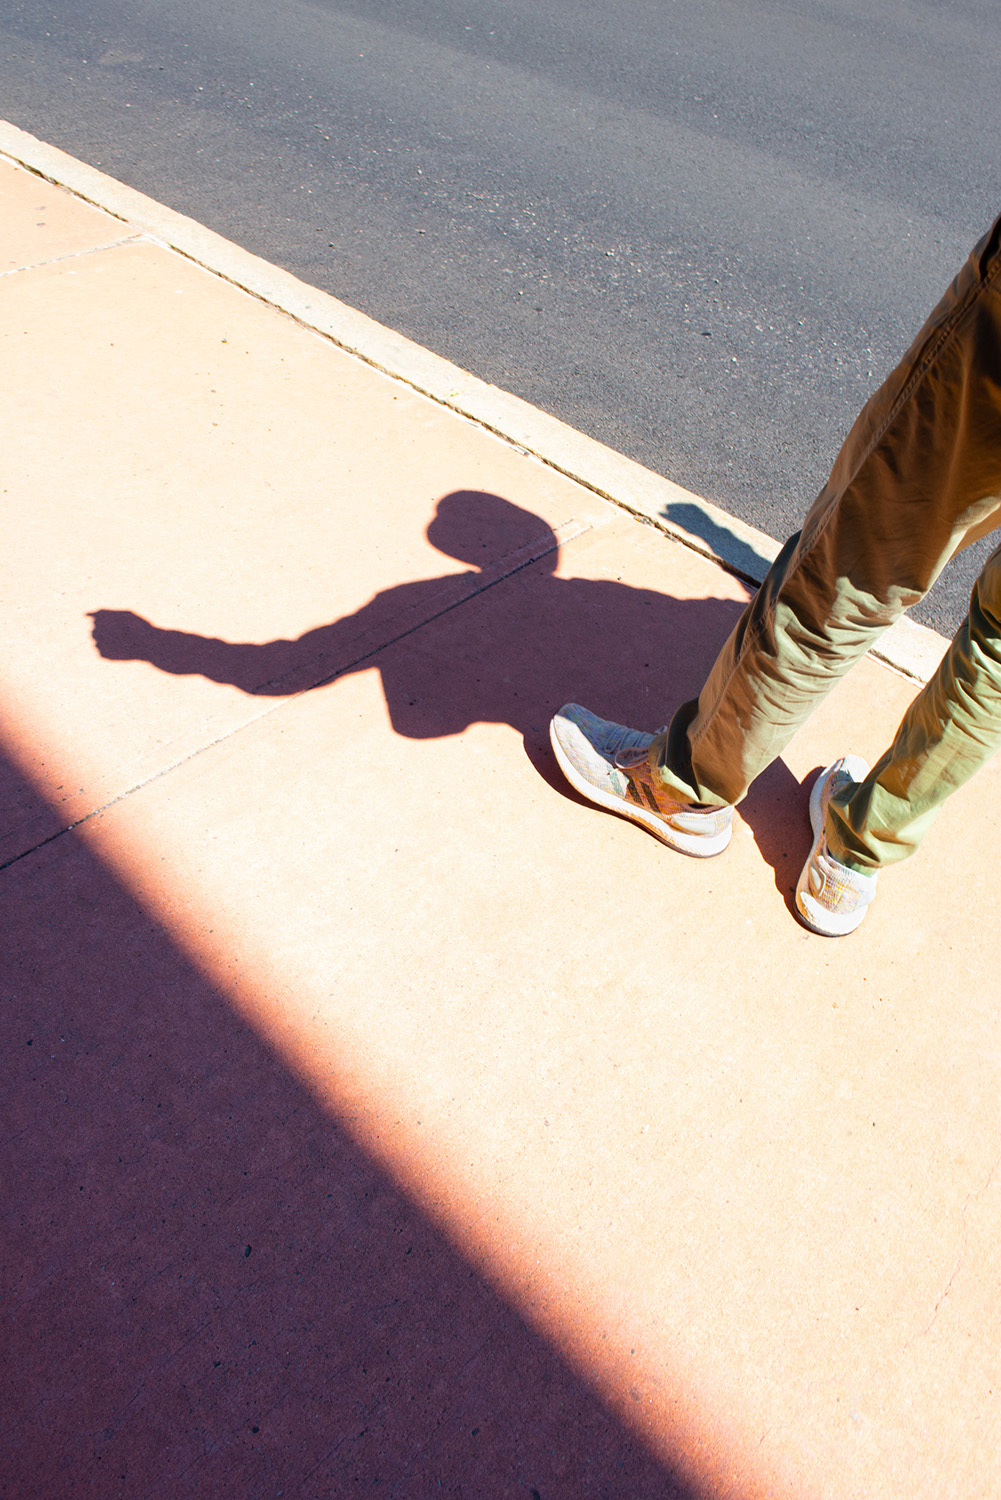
(631, 756)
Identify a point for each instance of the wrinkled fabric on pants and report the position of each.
(918, 477)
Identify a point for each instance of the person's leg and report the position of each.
(920, 468)
(952, 728)
(919, 472)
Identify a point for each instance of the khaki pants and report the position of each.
(919, 477)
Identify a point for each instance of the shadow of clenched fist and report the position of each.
(121, 635)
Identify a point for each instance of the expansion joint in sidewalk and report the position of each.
(55, 260)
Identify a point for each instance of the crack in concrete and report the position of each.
(960, 1259)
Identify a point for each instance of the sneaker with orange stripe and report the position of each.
(608, 764)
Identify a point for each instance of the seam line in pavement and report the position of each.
(129, 239)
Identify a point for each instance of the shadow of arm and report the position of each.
(272, 669)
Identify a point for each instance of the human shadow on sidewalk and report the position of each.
(533, 641)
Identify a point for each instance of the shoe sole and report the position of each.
(693, 844)
(838, 926)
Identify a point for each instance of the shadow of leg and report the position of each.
(775, 810)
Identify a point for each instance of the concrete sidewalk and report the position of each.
(378, 1115)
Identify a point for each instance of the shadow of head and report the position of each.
(481, 529)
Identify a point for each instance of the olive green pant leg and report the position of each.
(952, 728)
(920, 469)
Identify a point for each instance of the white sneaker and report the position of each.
(830, 898)
(607, 763)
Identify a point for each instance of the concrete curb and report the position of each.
(910, 648)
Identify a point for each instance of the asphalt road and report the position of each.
(700, 230)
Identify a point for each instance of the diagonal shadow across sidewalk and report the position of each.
(209, 1287)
